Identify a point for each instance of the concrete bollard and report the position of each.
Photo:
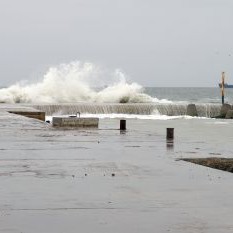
(170, 133)
(122, 124)
(191, 110)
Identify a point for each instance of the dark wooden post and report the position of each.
(122, 124)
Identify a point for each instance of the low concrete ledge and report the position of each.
(75, 122)
(30, 114)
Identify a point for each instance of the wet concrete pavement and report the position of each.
(62, 180)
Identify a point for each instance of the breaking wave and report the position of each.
(75, 82)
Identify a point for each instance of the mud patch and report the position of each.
(224, 164)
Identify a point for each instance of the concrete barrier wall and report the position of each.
(75, 122)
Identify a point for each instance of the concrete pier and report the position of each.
(102, 181)
(75, 122)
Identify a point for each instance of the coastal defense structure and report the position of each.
(223, 87)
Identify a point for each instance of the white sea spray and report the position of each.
(75, 82)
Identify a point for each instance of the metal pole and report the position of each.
(223, 86)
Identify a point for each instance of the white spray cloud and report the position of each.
(72, 83)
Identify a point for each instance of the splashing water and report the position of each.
(72, 83)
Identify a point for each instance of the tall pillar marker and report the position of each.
(223, 86)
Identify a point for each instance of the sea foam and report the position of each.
(75, 82)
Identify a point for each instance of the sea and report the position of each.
(205, 95)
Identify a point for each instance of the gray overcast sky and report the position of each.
(155, 42)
